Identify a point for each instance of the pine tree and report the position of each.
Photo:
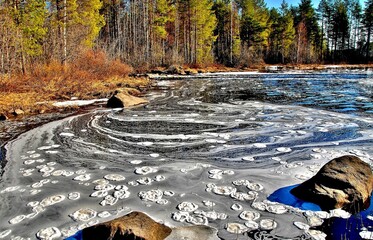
(368, 23)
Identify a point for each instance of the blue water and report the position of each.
(339, 228)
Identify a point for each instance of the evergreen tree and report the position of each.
(368, 23)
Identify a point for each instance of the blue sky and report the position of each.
(277, 3)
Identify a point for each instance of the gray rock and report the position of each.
(175, 69)
(123, 99)
(345, 182)
(135, 225)
(18, 112)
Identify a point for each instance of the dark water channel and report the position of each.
(206, 150)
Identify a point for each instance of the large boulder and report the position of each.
(135, 225)
(175, 69)
(122, 99)
(345, 182)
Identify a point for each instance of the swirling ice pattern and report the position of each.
(200, 142)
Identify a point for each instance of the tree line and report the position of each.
(148, 33)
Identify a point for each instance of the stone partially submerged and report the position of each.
(122, 99)
(135, 225)
(345, 182)
(139, 226)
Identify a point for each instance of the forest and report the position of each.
(151, 33)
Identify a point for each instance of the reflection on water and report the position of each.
(221, 144)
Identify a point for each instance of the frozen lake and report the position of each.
(206, 150)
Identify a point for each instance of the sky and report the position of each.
(277, 3)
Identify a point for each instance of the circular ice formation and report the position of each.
(339, 213)
(236, 228)
(198, 220)
(276, 208)
(301, 225)
(34, 191)
(46, 169)
(187, 206)
(121, 187)
(83, 177)
(114, 177)
(45, 181)
(10, 189)
(83, 214)
(314, 221)
(236, 207)
(159, 178)
(68, 173)
(241, 182)
(28, 162)
(52, 200)
(151, 195)
(99, 194)
(33, 204)
(322, 214)
(317, 235)
(249, 215)
(105, 187)
(208, 203)
(241, 196)
(267, 224)
(133, 183)
(162, 201)
(109, 200)
(49, 233)
(5, 233)
(145, 181)
(169, 193)
(180, 216)
(73, 196)
(104, 214)
(224, 190)
(283, 149)
(35, 155)
(58, 173)
(100, 182)
(259, 206)
(17, 219)
(366, 234)
(121, 194)
(255, 186)
(145, 170)
(251, 225)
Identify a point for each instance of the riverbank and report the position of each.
(94, 77)
(34, 99)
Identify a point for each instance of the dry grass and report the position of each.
(90, 76)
